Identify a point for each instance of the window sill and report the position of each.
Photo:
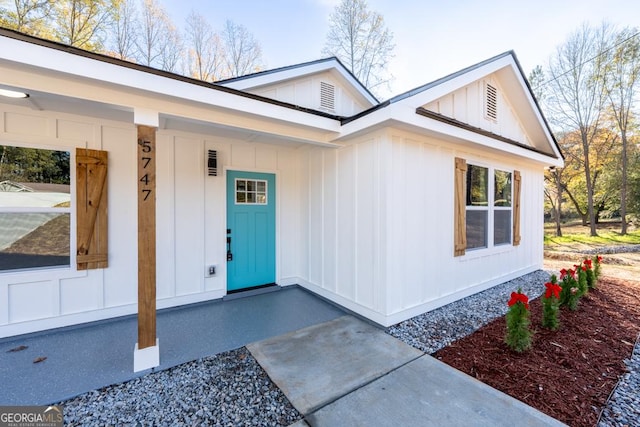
(485, 252)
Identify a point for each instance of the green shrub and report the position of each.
(551, 304)
(518, 336)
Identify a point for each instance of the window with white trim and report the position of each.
(35, 208)
(488, 207)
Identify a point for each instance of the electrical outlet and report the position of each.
(209, 271)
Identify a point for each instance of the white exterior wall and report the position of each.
(343, 245)
(423, 273)
(383, 247)
(191, 220)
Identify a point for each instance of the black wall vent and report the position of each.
(212, 163)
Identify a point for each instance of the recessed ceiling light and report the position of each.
(13, 94)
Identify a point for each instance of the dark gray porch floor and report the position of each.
(88, 357)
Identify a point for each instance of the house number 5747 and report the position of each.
(146, 151)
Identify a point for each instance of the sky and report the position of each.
(433, 38)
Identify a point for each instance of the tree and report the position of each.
(25, 165)
(359, 38)
(204, 47)
(554, 177)
(573, 179)
(553, 191)
(243, 54)
(537, 82)
(81, 23)
(172, 54)
(124, 25)
(621, 78)
(156, 44)
(27, 16)
(577, 96)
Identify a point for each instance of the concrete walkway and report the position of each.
(347, 372)
(95, 355)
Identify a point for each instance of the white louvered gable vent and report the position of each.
(491, 102)
(327, 96)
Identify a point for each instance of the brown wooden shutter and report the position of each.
(91, 200)
(516, 208)
(460, 208)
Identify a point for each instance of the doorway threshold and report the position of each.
(249, 292)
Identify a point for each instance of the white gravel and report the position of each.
(438, 328)
(623, 407)
(231, 389)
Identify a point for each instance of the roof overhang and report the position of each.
(66, 79)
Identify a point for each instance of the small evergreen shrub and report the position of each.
(518, 336)
(583, 286)
(551, 304)
(570, 293)
(597, 269)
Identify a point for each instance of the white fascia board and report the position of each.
(47, 59)
(406, 114)
(119, 97)
(453, 132)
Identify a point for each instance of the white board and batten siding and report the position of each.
(341, 191)
(383, 246)
(467, 105)
(46, 298)
(320, 91)
(191, 218)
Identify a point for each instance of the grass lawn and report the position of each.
(575, 233)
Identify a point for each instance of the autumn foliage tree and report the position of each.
(621, 80)
(588, 92)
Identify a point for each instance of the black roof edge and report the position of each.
(5, 32)
(293, 67)
(453, 122)
(349, 119)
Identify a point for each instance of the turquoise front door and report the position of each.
(251, 230)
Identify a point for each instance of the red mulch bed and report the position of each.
(568, 374)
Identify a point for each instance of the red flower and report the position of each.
(599, 259)
(584, 269)
(565, 272)
(517, 297)
(552, 290)
(587, 263)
